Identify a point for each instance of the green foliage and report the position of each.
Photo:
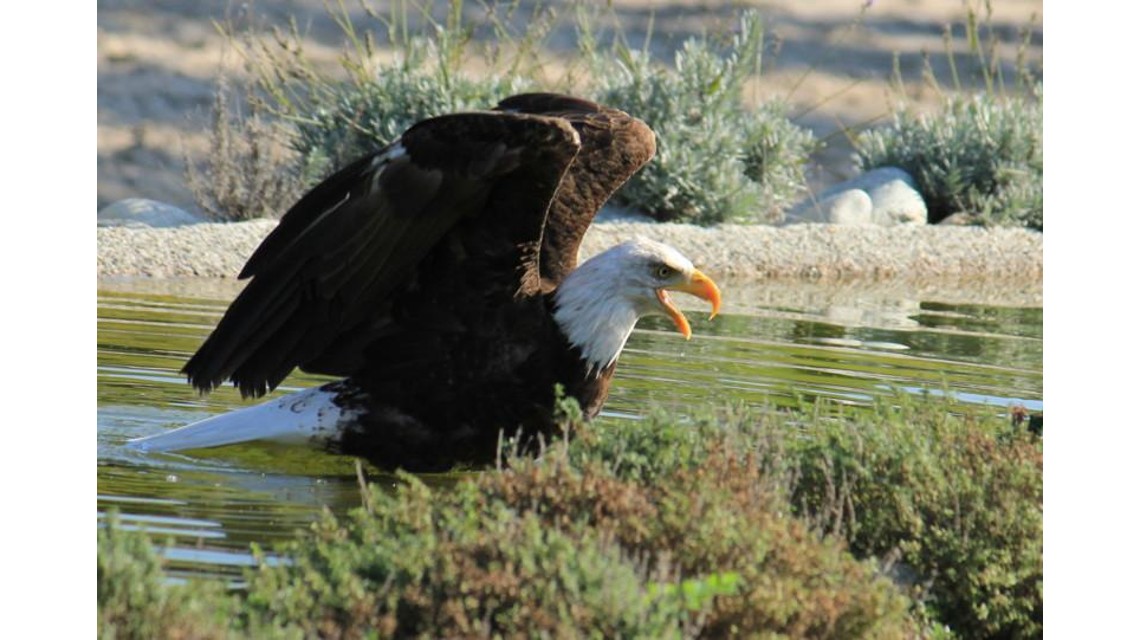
(550, 549)
(941, 491)
(698, 593)
(954, 497)
(980, 155)
(243, 177)
(716, 161)
(134, 602)
(359, 118)
(757, 523)
(459, 563)
(720, 527)
(659, 446)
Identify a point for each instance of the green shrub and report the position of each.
(248, 173)
(358, 118)
(943, 493)
(981, 155)
(716, 160)
(759, 523)
(135, 602)
(758, 572)
(550, 549)
(951, 494)
(459, 563)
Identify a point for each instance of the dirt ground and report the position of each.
(830, 60)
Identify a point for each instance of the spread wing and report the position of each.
(614, 146)
(320, 277)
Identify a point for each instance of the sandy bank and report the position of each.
(814, 252)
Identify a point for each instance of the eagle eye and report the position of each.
(663, 271)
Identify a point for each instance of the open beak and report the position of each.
(698, 285)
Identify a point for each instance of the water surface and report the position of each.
(774, 344)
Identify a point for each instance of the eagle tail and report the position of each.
(308, 417)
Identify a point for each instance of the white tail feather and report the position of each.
(307, 417)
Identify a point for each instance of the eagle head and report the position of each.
(599, 303)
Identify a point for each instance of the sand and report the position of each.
(830, 60)
(811, 252)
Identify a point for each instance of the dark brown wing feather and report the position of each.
(320, 280)
(614, 146)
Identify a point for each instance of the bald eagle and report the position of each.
(438, 276)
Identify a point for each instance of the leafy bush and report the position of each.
(738, 521)
(553, 550)
(981, 155)
(954, 496)
(758, 572)
(247, 173)
(362, 117)
(944, 494)
(459, 563)
(133, 602)
(716, 161)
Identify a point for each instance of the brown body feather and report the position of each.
(423, 273)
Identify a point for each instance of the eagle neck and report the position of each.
(593, 316)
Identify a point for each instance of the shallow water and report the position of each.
(773, 344)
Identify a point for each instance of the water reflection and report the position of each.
(773, 344)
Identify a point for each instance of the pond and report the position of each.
(774, 344)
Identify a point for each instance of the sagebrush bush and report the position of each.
(721, 518)
(954, 495)
(134, 603)
(716, 160)
(551, 549)
(353, 119)
(738, 521)
(248, 172)
(981, 155)
(458, 563)
(325, 122)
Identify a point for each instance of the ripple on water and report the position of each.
(773, 345)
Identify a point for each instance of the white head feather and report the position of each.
(599, 303)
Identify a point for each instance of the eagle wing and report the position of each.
(319, 279)
(614, 146)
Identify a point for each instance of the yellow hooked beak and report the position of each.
(698, 285)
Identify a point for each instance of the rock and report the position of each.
(140, 212)
(850, 207)
(889, 197)
(895, 195)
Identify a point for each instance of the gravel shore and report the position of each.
(814, 252)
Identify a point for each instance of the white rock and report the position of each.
(140, 212)
(889, 198)
(895, 196)
(849, 207)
